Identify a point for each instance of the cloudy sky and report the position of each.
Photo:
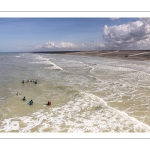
(56, 34)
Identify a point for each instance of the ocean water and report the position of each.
(87, 94)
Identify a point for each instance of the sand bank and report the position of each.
(122, 54)
(126, 54)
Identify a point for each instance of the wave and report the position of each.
(36, 56)
(52, 65)
(84, 113)
(46, 61)
(77, 63)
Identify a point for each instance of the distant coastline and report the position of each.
(126, 54)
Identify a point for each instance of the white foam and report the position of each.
(53, 66)
(77, 63)
(73, 61)
(113, 68)
(39, 57)
(135, 72)
(85, 113)
(46, 61)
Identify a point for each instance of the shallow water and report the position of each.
(88, 94)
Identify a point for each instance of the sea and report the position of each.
(87, 94)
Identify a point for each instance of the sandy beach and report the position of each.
(120, 54)
(125, 54)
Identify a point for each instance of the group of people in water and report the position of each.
(31, 101)
(32, 80)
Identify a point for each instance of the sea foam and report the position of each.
(46, 61)
(84, 113)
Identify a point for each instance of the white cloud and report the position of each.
(50, 46)
(38, 46)
(60, 45)
(97, 45)
(133, 35)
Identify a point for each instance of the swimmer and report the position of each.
(36, 81)
(18, 93)
(24, 98)
(31, 102)
(49, 103)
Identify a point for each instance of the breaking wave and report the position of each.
(84, 113)
(46, 61)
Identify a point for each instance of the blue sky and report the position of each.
(52, 34)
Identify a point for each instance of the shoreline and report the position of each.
(122, 54)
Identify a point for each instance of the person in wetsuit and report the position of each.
(24, 98)
(49, 103)
(31, 102)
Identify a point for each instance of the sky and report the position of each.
(69, 34)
